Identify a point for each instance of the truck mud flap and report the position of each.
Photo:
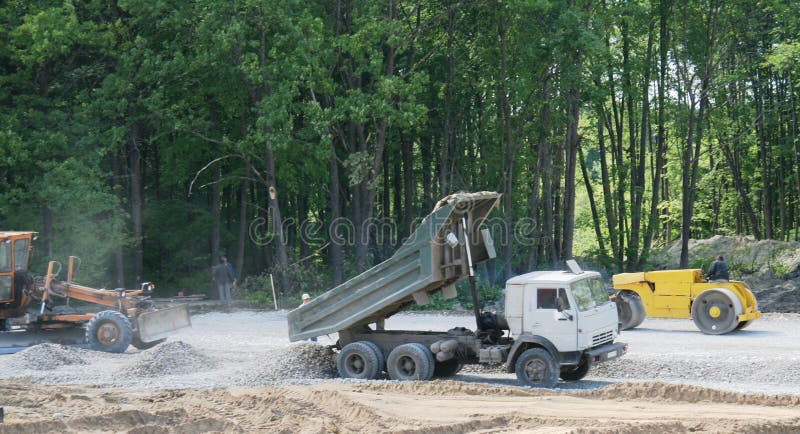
(161, 323)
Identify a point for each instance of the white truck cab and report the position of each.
(567, 313)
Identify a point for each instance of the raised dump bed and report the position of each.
(432, 259)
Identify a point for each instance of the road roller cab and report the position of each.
(715, 307)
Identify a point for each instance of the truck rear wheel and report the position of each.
(410, 362)
(575, 373)
(379, 353)
(358, 360)
(713, 312)
(447, 368)
(109, 331)
(536, 367)
(630, 310)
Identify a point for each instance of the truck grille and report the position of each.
(602, 338)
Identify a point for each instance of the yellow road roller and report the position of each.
(715, 307)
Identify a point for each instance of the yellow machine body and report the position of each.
(670, 293)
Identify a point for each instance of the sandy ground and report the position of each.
(674, 379)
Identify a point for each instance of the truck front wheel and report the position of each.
(575, 373)
(536, 367)
(410, 362)
(358, 360)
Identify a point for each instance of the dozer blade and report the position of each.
(161, 323)
(17, 340)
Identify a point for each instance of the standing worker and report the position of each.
(718, 272)
(224, 276)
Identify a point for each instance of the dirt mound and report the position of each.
(449, 388)
(305, 360)
(744, 255)
(44, 357)
(658, 391)
(168, 359)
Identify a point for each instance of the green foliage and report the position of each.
(410, 101)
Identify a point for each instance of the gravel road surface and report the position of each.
(249, 348)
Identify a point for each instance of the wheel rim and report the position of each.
(107, 334)
(535, 370)
(406, 365)
(716, 314)
(355, 364)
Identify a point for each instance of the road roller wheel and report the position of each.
(630, 310)
(713, 313)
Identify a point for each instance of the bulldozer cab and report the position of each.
(15, 248)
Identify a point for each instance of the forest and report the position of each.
(307, 138)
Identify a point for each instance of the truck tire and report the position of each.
(410, 362)
(536, 367)
(630, 310)
(713, 312)
(358, 360)
(575, 373)
(447, 368)
(379, 353)
(109, 331)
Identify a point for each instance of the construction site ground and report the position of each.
(237, 372)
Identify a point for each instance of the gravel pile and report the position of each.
(301, 361)
(169, 359)
(43, 357)
(745, 369)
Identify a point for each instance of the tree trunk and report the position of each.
(335, 249)
(119, 258)
(243, 221)
(135, 167)
(661, 147)
(408, 186)
(595, 215)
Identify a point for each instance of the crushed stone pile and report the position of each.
(746, 369)
(44, 357)
(169, 359)
(301, 361)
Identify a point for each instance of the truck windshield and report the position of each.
(590, 293)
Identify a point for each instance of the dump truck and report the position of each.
(30, 312)
(554, 323)
(715, 307)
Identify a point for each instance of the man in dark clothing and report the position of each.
(224, 276)
(718, 272)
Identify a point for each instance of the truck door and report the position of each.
(549, 314)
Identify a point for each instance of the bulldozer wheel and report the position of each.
(410, 362)
(630, 310)
(575, 373)
(713, 313)
(109, 331)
